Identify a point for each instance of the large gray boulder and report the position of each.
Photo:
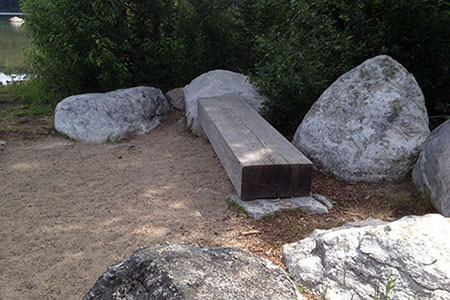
(177, 272)
(369, 125)
(215, 84)
(97, 118)
(359, 259)
(432, 170)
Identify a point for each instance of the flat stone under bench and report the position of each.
(264, 207)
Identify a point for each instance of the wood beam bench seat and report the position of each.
(260, 162)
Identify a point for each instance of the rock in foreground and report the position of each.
(173, 272)
(97, 118)
(359, 258)
(215, 84)
(432, 170)
(369, 125)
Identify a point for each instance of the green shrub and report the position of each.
(94, 45)
(294, 49)
(86, 45)
(324, 39)
(30, 95)
(205, 38)
(256, 20)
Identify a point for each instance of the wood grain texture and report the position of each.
(260, 162)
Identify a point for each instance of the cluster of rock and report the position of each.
(371, 259)
(113, 116)
(369, 125)
(12, 78)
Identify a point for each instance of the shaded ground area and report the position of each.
(18, 122)
(69, 210)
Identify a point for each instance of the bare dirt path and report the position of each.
(69, 210)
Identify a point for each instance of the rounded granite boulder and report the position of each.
(369, 125)
(431, 174)
(358, 260)
(215, 84)
(112, 116)
(179, 272)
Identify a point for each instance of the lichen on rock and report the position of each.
(369, 125)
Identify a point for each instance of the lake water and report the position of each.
(14, 41)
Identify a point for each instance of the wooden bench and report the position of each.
(260, 162)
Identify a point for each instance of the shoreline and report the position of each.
(11, 14)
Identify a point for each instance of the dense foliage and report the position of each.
(326, 38)
(93, 45)
(293, 49)
(86, 45)
(9, 6)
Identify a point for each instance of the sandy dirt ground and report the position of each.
(68, 210)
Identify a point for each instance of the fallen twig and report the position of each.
(250, 232)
